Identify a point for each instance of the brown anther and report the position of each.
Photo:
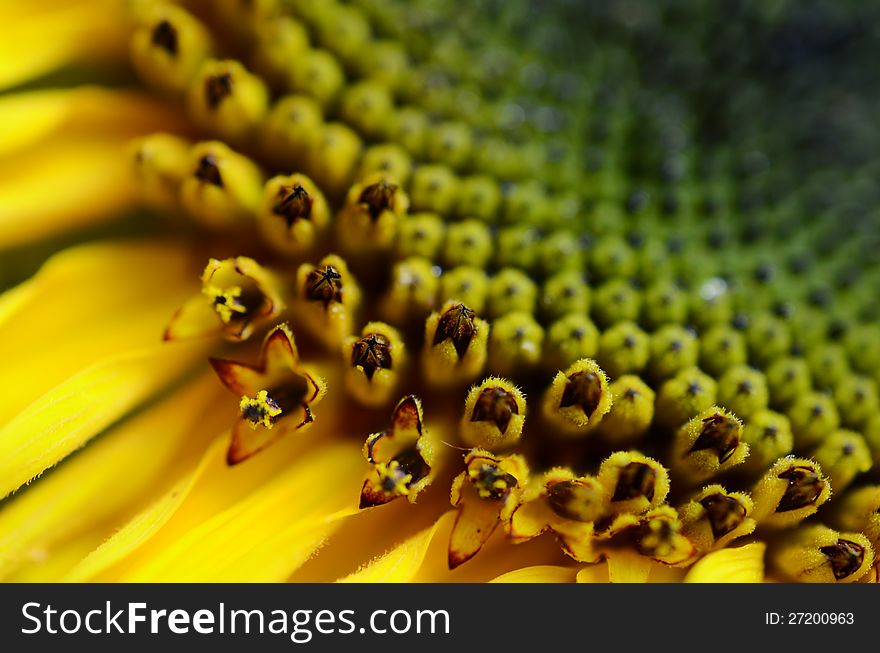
(635, 480)
(724, 513)
(495, 405)
(412, 463)
(845, 557)
(208, 171)
(583, 389)
(372, 352)
(720, 433)
(165, 36)
(293, 203)
(804, 487)
(377, 198)
(457, 324)
(217, 87)
(324, 284)
(654, 538)
(573, 500)
(492, 482)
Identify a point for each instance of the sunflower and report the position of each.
(428, 291)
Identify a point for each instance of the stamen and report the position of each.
(456, 324)
(378, 198)
(846, 557)
(294, 203)
(804, 487)
(635, 480)
(491, 481)
(721, 433)
(494, 415)
(724, 512)
(583, 389)
(372, 352)
(261, 410)
(208, 171)
(165, 36)
(495, 405)
(578, 398)
(324, 284)
(217, 88)
(227, 302)
(576, 499)
(394, 480)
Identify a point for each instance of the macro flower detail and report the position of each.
(237, 296)
(276, 394)
(402, 457)
(480, 493)
(595, 323)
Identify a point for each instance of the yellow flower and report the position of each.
(262, 278)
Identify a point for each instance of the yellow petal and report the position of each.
(476, 521)
(134, 533)
(370, 534)
(597, 573)
(75, 181)
(538, 574)
(401, 564)
(264, 536)
(113, 478)
(209, 489)
(48, 36)
(33, 117)
(48, 568)
(68, 416)
(628, 567)
(744, 564)
(77, 311)
(14, 298)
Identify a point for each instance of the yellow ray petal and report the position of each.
(33, 117)
(112, 479)
(597, 573)
(213, 489)
(401, 565)
(538, 574)
(743, 564)
(14, 298)
(68, 416)
(74, 181)
(261, 537)
(42, 38)
(370, 534)
(49, 568)
(423, 558)
(137, 531)
(628, 567)
(77, 311)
